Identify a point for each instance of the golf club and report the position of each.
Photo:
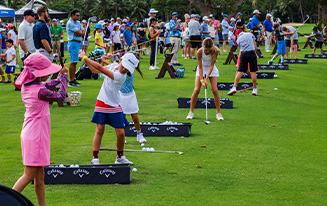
(132, 150)
(206, 97)
(92, 19)
(303, 22)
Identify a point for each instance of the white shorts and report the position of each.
(214, 73)
(128, 102)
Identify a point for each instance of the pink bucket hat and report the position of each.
(36, 65)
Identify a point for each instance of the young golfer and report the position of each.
(10, 56)
(206, 69)
(35, 136)
(319, 39)
(107, 109)
(281, 45)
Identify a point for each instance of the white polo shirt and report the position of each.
(25, 32)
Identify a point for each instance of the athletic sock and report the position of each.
(282, 59)
(274, 57)
(95, 154)
(234, 88)
(138, 131)
(120, 153)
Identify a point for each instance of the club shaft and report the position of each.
(132, 150)
(205, 91)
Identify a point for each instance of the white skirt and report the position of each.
(214, 73)
(128, 102)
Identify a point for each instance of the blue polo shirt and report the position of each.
(128, 37)
(225, 25)
(172, 24)
(268, 25)
(255, 22)
(250, 25)
(41, 31)
(72, 27)
(3, 42)
(204, 27)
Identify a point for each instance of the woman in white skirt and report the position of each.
(129, 104)
(206, 69)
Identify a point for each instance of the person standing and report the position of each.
(268, 29)
(216, 25)
(58, 33)
(12, 34)
(175, 35)
(153, 33)
(256, 25)
(240, 22)
(204, 28)
(85, 43)
(152, 14)
(25, 35)
(195, 35)
(75, 34)
(225, 31)
(41, 34)
(291, 41)
(247, 44)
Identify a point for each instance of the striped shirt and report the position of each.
(104, 108)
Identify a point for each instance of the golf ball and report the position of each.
(134, 170)
(142, 145)
(275, 75)
(72, 165)
(144, 149)
(181, 153)
(276, 89)
(152, 149)
(76, 165)
(61, 165)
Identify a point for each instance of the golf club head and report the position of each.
(308, 17)
(207, 122)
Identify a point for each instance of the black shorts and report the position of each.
(117, 46)
(248, 57)
(196, 41)
(288, 42)
(318, 44)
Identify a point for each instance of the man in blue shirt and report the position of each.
(256, 25)
(128, 36)
(225, 25)
(175, 35)
(204, 28)
(41, 35)
(75, 33)
(268, 28)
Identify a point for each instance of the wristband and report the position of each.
(83, 59)
(27, 53)
(202, 80)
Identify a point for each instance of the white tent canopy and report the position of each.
(35, 4)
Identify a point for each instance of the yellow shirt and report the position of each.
(99, 38)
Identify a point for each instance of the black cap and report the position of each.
(315, 29)
(29, 12)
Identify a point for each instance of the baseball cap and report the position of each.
(129, 62)
(127, 18)
(118, 18)
(211, 15)
(53, 20)
(315, 28)
(198, 16)
(153, 11)
(225, 15)
(128, 25)
(10, 26)
(232, 19)
(174, 14)
(250, 19)
(112, 19)
(268, 15)
(205, 18)
(99, 26)
(256, 11)
(83, 21)
(238, 31)
(29, 12)
(193, 15)
(124, 20)
(2, 29)
(116, 24)
(239, 14)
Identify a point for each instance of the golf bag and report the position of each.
(10, 197)
(84, 72)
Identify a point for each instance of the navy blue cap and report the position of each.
(174, 14)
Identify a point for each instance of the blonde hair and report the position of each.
(209, 44)
(186, 16)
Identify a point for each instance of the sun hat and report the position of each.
(130, 62)
(256, 11)
(205, 18)
(10, 26)
(112, 19)
(239, 14)
(232, 19)
(153, 11)
(225, 15)
(36, 65)
(98, 26)
(118, 18)
(116, 24)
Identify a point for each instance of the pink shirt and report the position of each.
(217, 24)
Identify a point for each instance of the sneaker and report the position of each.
(72, 84)
(123, 160)
(232, 91)
(79, 84)
(140, 138)
(255, 92)
(270, 62)
(190, 115)
(8, 82)
(194, 58)
(125, 141)
(156, 67)
(219, 117)
(95, 161)
(183, 55)
(152, 68)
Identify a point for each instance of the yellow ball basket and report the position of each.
(74, 98)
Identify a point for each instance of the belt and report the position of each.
(76, 41)
(255, 30)
(245, 52)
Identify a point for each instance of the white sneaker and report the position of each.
(157, 67)
(152, 68)
(123, 160)
(190, 115)
(183, 55)
(95, 161)
(219, 117)
(255, 92)
(232, 91)
(140, 138)
(125, 141)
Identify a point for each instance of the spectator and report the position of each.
(10, 56)
(211, 29)
(57, 33)
(231, 36)
(123, 25)
(249, 25)
(291, 41)
(256, 25)
(152, 36)
(134, 35)
(3, 43)
(225, 26)
(195, 36)
(119, 20)
(232, 22)
(152, 14)
(128, 20)
(268, 28)
(240, 22)
(41, 34)
(25, 35)
(142, 36)
(175, 35)
(75, 34)
(167, 44)
(98, 41)
(106, 36)
(216, 25)
(12, 34)
(116, 40)
(187, 47)
(85, 43)
(204, 28)
(128, 36)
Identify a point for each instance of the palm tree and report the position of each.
(139, 8)
(103, 8)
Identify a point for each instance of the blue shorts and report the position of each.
(116, 120)
(10, 69)
(281, 47)
(73, 49)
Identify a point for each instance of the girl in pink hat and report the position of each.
(35, 136)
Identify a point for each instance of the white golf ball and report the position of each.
(275, 75)
(144, 149)
(142, 145)
(276, 89)
(61, 165)
(151, 149)
(72, 166)
(182, 136)
(134, 170)
(76, 165)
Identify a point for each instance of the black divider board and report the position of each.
(294, 61)
(201, 103)
(155, 129)
(273, 67)
(260, 75)
(88, 174)
(315, 56)
(228, 85)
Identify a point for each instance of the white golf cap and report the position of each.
(256, 11)
(232, 19)
(84, 21)
(101, 22)
(250, 19)
(130, 62)
(268, 15)
(53, 20)
(205, 18)
(124, 20)
(167, 26)
(153, 11)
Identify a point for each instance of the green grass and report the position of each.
(270, 150)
